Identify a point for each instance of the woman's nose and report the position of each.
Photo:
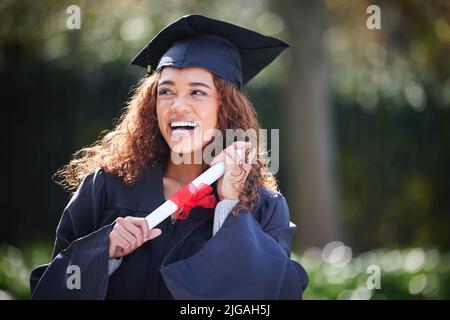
(180, 105)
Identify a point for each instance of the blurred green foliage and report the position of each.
(16, 266)
(413, 273)
(410, 273)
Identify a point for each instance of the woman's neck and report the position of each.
(183, 173)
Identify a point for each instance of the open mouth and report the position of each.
(182, 128)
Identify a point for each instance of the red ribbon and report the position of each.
(190, 197)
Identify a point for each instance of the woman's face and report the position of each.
(186, 106)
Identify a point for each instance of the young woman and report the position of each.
(238, 248)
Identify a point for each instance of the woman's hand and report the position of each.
(237, 167)
(129, 234)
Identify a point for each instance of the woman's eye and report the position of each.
(198, 93)
(163, 91)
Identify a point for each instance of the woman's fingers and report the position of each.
(128, 234)
(133, 225)
(142, 224)
(242, 152)
(230, 161)
(234, 155)
(120, 241)
(118, 245)
(124, 233)
(153, 233)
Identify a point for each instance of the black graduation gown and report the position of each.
(248, 258)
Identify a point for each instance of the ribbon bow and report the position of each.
(190, 196)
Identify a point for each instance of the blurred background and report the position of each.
(363, 113)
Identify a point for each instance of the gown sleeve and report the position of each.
(247, 259)
(80, 260)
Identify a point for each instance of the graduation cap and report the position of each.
(233, 53)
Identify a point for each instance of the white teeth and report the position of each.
(183, 124)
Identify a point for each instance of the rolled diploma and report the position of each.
(167, 208)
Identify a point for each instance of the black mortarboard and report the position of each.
(234, 53)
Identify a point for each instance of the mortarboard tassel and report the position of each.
(149, 71)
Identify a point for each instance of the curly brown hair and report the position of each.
(136, 141)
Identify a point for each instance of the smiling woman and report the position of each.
(186, 106)
(195, 89)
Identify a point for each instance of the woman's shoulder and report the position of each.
(271, 209)
(270, 196)
(270, 201)
(148, 171)
(137, 195)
